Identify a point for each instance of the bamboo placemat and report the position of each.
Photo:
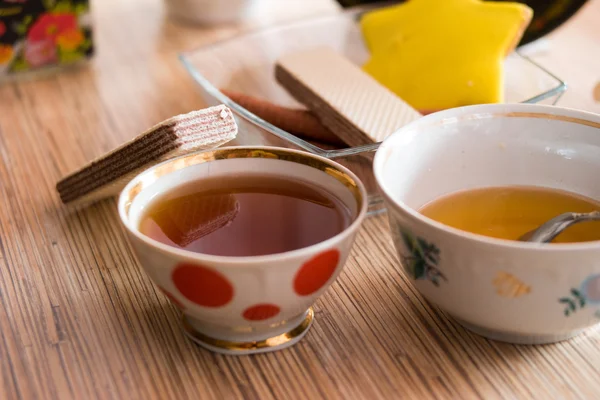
(79, 319)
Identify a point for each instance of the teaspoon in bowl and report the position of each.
(546, 232)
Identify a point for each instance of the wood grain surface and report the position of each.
(80, 320)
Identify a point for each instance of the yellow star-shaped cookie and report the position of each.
(438, 54)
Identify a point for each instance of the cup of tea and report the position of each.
(243, 240)
(474, 180)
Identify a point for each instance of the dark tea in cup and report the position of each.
(245, 215)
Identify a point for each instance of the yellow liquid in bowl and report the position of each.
(510, 211)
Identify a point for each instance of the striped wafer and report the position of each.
(344, 98)
(301, 123)
(108, 175)
(190, 218)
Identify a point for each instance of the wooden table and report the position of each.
(79, 318)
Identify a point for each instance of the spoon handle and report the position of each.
(554, 227)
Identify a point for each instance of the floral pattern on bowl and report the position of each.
(421, 259)
(588, 293)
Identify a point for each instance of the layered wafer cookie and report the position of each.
(301, 123)
(108, 175)
(345, 99)
(188, 219)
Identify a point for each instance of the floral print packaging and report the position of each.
(37, 34)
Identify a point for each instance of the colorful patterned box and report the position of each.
(38, 34)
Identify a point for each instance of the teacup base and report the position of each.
(262, 345)
(516, 338)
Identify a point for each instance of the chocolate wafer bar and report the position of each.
(301, 123)
(346, 100)
(179, 135)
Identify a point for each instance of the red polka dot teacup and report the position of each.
(243, 305)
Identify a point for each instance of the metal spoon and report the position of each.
(546, 232)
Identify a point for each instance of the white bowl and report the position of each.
(210, 12)
(505, 290)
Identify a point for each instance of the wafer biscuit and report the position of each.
(301, 123)
(353, 105)
(188, 219)
(182, 134)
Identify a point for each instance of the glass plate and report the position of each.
(246, 63)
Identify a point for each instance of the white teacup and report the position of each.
(506, 290)
(243, 305)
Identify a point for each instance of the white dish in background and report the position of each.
(506, 290)
(210, 12)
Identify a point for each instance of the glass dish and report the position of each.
(246, 63)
